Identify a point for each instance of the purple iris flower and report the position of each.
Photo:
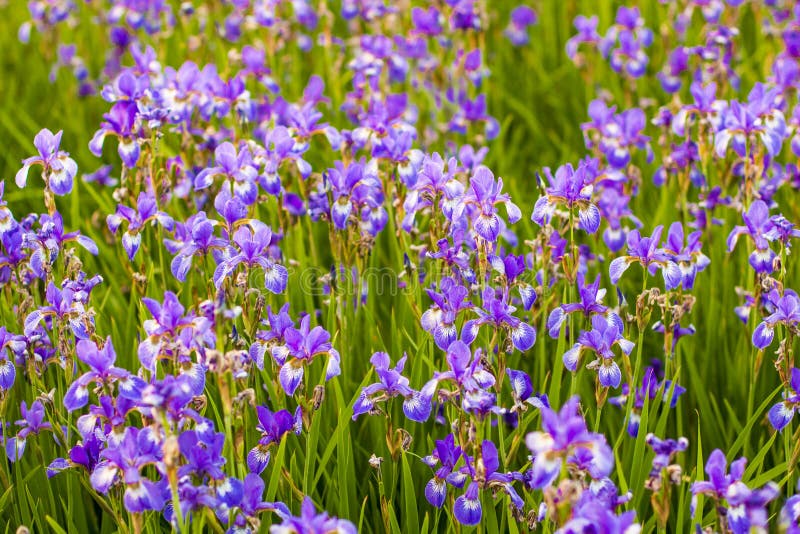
(464, 370)
(252, 248)
(746, 507)
(439, 320)
(677, 63)
(170, 395)
(102, 372)
(511, 267)
(787, 312)
(564, 438)
(705, 107)
(246, 496)
(480, 201)
(237, 169)
(522, 390)
(31, 424)
(230, 207)
(614, 208)
(499, 314)
(357, 197)
(17, 345)
(605, 333)
(517, 30)
(146, 211)
(280, 146)
(7, 221)
(686, 253)
(66, 307)
(760, 228)
(783, 412)
(203, 455)
(448, 454)
(304, 345)
(665, 450)
(392, 384)
(587, 34)
(120, 122)
(59, 169)
(573, 189)
(85, 454)
(790, 515)
(591, 303)
(273, 427)
(274, 338)
(595, 516)
(646, 251)
(760, 117)
(51, 239)
(172, 334)
(435, 188)
(123, 461)
(199, 241)
(467, 507)
(309, 521)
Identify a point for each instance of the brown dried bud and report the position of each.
(318, 397)
(405, 438)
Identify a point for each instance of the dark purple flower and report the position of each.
(497, 313)
(273, 426)
(439, 320)
(31, 424)
(517, 30)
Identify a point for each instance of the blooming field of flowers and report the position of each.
(399, 266)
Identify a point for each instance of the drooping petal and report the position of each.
(589, 218)
(610, 375)
(290, 376)
(780, 415)
(617, 267)
(275, 278)
(523, 336)
(436, 492)
(467, 508)
(258, 459)
(417, 407)
(8, 373)
(76, 396)
(763, 335)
